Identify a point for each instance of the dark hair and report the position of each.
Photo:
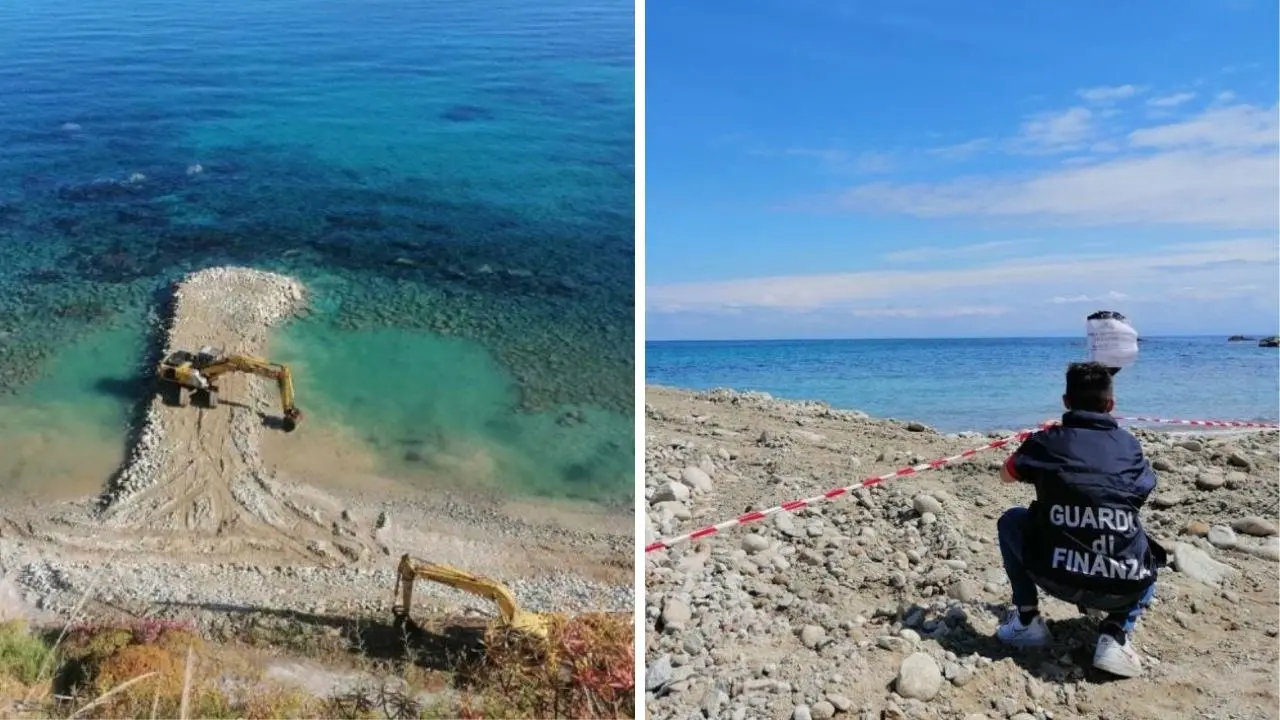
(1089, 387)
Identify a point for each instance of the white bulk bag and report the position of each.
(1112, 340)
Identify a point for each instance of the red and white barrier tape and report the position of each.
(837, 492)
(1202, 423)
(934, 465)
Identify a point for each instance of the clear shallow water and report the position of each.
(979, 384)
(454, 182)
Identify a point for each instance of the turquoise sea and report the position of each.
(980, 384)
(453, 180)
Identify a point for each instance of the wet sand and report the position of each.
(55, 462)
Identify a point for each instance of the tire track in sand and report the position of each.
(195, 482)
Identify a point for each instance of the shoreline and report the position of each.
(993, 430)
(210, 511)
(37, 451)
(69, 412)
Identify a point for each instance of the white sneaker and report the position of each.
(1033, 635)
(1117, 659)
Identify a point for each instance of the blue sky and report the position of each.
(908, 168)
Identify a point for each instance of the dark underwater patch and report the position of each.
(543, 290)
(467, 113)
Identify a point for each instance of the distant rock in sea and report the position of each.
(1239, 338)
(1273, 341)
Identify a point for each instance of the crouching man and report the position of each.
(1081, 540)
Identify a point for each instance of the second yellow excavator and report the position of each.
(511, 614)
(191, 373)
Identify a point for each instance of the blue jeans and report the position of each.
(1122, 612)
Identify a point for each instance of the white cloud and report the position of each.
(1173, 100)
(1218, 169)
(1229, 191)
(1112, 296)
(962, 150)
(1234, 127)
(826, 155)
(1244, 67)
(1214, 294)
(1108, 94)
(945, 311)
(1054, 131)
(870, 163)
(1223, 264)
(837, 160)
(938, 253)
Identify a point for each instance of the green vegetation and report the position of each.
(167, 669)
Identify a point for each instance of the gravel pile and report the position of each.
(883, 604)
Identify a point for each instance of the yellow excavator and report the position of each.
(191, 373)
(512, 616)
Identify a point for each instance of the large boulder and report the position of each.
(918, 677)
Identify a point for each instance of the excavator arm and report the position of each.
(262, 368)
(510, 611)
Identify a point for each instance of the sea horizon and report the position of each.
(1255, 336)
(978, 384)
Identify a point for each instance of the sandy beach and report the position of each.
(216, 508)
(884, 604)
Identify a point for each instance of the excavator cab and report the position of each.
(207, 356)
(178, 358)
(181, 372)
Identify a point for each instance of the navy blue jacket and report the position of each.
(1091, 480)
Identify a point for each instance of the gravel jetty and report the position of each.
(884, 604)
(196, 480)
(202, 521)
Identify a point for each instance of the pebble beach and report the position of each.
(884, 604)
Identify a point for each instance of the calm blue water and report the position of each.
(453, 179)
(979, 384)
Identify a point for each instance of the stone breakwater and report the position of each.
(196, 479)
(883, 604)
(209, 306)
